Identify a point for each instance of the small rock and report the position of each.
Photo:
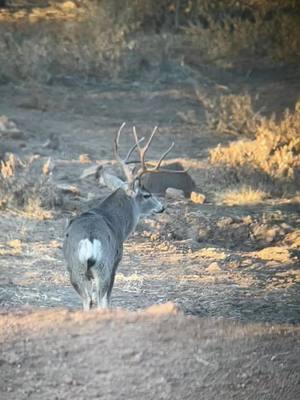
(203, 233)
(68, 189)
(175, 194)
(224, 221)
(9, 128)
(84, 159)
(213, 268)
(272, 234)
(198, 198)
(93, 170)
(52, 143)
(154, 237)
(286, 227)
(248, 220)
(68, 5)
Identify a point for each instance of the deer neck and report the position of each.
(122, 212)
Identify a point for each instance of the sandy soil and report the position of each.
(157, 354)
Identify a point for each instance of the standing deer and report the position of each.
(93, 244)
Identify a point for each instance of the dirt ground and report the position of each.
(238, 264)
(157, 354)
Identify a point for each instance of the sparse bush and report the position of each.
(25, 187)
(244, 195)
(112, 39)
(62, 41)
(275, 149)
(230, 114)
(231, 32)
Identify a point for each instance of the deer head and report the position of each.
(132, 185)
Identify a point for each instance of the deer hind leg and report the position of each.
(112, 276)
(83, 287)
(111, 285)
(102, 286)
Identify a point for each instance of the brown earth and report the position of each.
(156, 354)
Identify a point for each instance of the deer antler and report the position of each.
(124, 163)
(142, 152)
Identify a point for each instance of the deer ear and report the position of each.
(136, 185)
(112, 181)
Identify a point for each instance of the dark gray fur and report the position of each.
(160, 182)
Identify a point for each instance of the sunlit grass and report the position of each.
(244, 195)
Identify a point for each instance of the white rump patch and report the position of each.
(88, 249)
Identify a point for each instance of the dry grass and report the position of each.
(275, 151)
(34, 210)
(110, 39)
(209, 253)
(230, 114)
(293, 239)
(11, 248)
(60, 40)
(25, 189)
(244, 195)
(237, 32)
(278, 254)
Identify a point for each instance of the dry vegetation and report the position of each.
(24, 187)
(246, 31)
(274, 151)
(243, 195)
(108, 39)
(231, 114)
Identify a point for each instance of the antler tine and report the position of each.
(116, 143)
(125, 167)
(144, 149)
(140, 149)
(131, 151)
(164, 156)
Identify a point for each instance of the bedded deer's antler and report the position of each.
(142, 150)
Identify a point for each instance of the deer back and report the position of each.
(110, 223)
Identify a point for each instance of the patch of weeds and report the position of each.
(275, 150)
(230, 114)
(25, 188)
(113, 39)
(228, 31)
(245, 195)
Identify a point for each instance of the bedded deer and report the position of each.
(93, 243)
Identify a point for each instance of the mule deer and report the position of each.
(157, 183)
(93, 244)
